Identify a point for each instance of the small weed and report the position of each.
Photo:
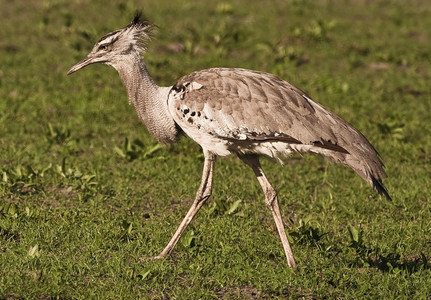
(77, 180)
(316, 30)
(357, 243)
(128, 226)
(138, 273)
(9, 209)
(136, 148)
(7, 234)
(23, 179)
(34, 251)
(191, 241)
(224, 8)
(226, 207)
(393, 128)
(57, 134)
(307, 231)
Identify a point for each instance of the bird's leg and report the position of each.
(271, 200)
(203, 193)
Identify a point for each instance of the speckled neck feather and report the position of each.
(149, 100)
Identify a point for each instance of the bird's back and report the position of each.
(251, 112)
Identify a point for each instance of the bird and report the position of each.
(238, 111)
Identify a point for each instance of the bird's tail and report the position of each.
(368, 168)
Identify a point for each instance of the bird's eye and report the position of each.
(103, 47)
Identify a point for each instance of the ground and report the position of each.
(86, 194)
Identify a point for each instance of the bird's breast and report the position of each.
(195, 118)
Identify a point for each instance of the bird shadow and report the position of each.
(391, 262)
(306, 231)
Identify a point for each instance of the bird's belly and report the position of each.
(226, 146)
(218, 146)
(273, 149)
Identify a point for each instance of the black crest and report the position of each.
(140, 21)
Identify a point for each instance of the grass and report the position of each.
(86, 193)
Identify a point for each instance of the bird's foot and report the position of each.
(142, 259)
(155, 257)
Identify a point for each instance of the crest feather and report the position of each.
(139, 22)
(142, 30)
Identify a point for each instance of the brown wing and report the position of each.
(238, 104)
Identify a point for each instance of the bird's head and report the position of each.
(114, 47)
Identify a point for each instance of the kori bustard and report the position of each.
(239, 111)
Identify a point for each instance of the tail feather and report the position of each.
(380, 188)
(371, 171)
(368, 168)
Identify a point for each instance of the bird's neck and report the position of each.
(149, 100)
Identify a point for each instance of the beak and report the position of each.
(83, 63)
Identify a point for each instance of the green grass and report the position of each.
(85, 193)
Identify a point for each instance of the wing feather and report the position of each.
(239, 104)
